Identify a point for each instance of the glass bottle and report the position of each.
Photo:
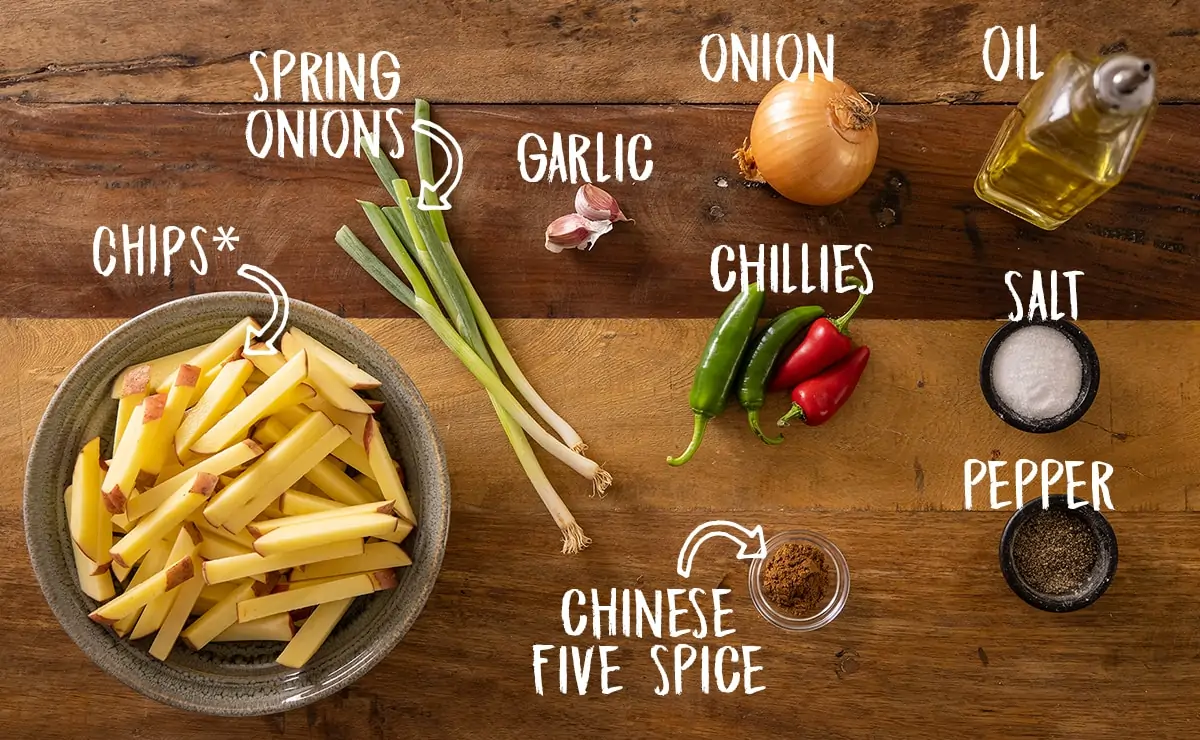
(1071, 138)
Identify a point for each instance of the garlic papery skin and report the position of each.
(574, 232)
(596, 204)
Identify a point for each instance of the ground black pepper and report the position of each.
(796, 578)
(1054, 552)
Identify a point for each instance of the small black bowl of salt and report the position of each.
(1039, 376)
(1056, 558)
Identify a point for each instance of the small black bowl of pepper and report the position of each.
(1057, 558)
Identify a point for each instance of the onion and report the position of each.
(813, 141)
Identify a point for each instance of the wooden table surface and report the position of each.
(116, 113)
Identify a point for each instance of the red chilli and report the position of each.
(825, 344)
(816, 400)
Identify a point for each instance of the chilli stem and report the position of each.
(754, 424)
(793, 413)
(697, 436)
(840, 322)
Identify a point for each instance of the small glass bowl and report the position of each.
(834, 602)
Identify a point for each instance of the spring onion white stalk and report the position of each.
(415, 231)
(573, 537)
(589, 469)
(508, 363)
(420, 300)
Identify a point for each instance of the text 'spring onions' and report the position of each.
(813, 141)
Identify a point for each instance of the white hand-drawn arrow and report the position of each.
(453, 169)
(746, 539)
(279, 319)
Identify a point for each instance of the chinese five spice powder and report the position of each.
(796, 578)
(1054, 552)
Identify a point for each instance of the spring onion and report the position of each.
(419, 243)
(573, 537)
(428, 244)
(432, 313)
(415, 231)
(495, 342)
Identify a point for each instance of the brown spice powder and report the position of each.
(796, 578)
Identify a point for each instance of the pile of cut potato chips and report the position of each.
(248, 495)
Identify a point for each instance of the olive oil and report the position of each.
(1071, 138)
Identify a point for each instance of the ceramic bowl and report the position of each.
(232, 678)
(1103, 570)
(1089, 383)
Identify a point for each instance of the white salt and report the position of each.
(1037, 372)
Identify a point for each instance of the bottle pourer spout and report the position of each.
(1125, 83)
(1128, 80)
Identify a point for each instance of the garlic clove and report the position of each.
(574, 232)
(564, 233)
(596, 204)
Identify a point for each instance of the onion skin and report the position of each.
(813, 141)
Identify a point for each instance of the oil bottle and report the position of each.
(1071, 138)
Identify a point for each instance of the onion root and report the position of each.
(744, 156)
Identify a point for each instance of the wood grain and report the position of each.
(937, 250)
(899, 445)
(932, 641)
(931, 638)
(554, 51)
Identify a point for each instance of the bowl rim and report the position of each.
(41, 554)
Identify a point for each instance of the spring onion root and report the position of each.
(574, 539)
